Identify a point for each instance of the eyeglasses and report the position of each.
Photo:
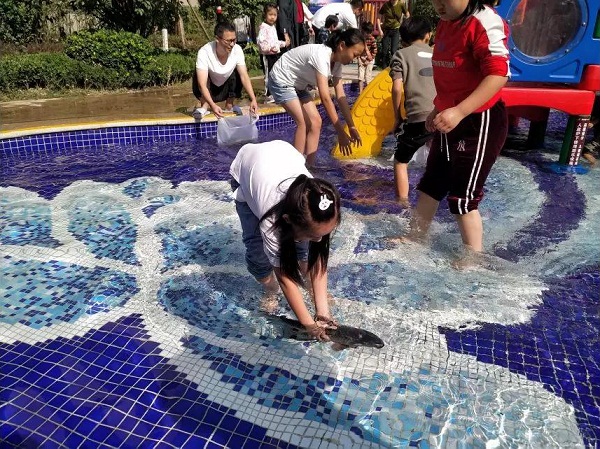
(229, 41)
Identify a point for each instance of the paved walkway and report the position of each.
(170, 104)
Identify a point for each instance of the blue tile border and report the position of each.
(54, 142)
(45, 143)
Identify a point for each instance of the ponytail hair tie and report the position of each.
(325, 202)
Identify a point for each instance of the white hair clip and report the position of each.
(325, 202)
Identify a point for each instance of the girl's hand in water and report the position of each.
(326, 321)
(318, 330)
(355, 136)
(345, 142)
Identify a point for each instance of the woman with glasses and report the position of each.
(220, 75)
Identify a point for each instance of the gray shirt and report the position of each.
(412, 65)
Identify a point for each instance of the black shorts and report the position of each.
(460, 161)
(410, 137)
(232, 88)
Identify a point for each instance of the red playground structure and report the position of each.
(555, 63)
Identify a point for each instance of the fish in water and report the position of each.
(345, 336)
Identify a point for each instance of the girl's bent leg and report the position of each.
(256, 260)
(313, 122)
(294, 108)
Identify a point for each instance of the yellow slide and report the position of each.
(373, 115)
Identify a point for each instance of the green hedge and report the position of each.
(57, 71)
(112, 49)
(252, 56)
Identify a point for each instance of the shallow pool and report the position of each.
(127, 317)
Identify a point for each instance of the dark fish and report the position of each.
(346, 336)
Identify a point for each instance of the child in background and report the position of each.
(412, 72)
(366, 61)
(269, 44)
(287, 219)
(331, 23)
(310, 66)
(470, 67)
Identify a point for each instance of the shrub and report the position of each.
(193, 42)
(97, 77)
(49, 70)
(136, 16)
(21, 21)
(424, 8)
(58, 71)
(252, 56)
(165, 69)
(118, 50)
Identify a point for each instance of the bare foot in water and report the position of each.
(269, 303)
(468, 260)
(404, 202)
(407, 239)
(589, 157)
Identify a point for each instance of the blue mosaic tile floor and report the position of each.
(127, 318)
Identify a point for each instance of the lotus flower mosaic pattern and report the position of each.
(127, 318)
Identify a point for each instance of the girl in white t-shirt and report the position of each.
(310, 66)
(221, 73)
(287, 218)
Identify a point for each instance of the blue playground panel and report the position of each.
(551, 40)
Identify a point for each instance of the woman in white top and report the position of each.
(221, 73)
(310, 66)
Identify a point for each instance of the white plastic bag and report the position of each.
(236, 130)
(420, 156)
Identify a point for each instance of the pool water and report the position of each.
(128, 319)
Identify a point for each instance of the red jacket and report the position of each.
(465, 53)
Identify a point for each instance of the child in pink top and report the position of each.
(269, 44)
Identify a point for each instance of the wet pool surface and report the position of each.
(128, 319)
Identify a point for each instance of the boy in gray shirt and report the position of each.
(411, 70)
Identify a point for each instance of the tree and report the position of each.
(234, 8)
(136, 16)
(22, 21)
(424, 8)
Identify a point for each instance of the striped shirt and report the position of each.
(371, 45)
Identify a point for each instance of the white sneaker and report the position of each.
(269, 99)
(199, 113)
